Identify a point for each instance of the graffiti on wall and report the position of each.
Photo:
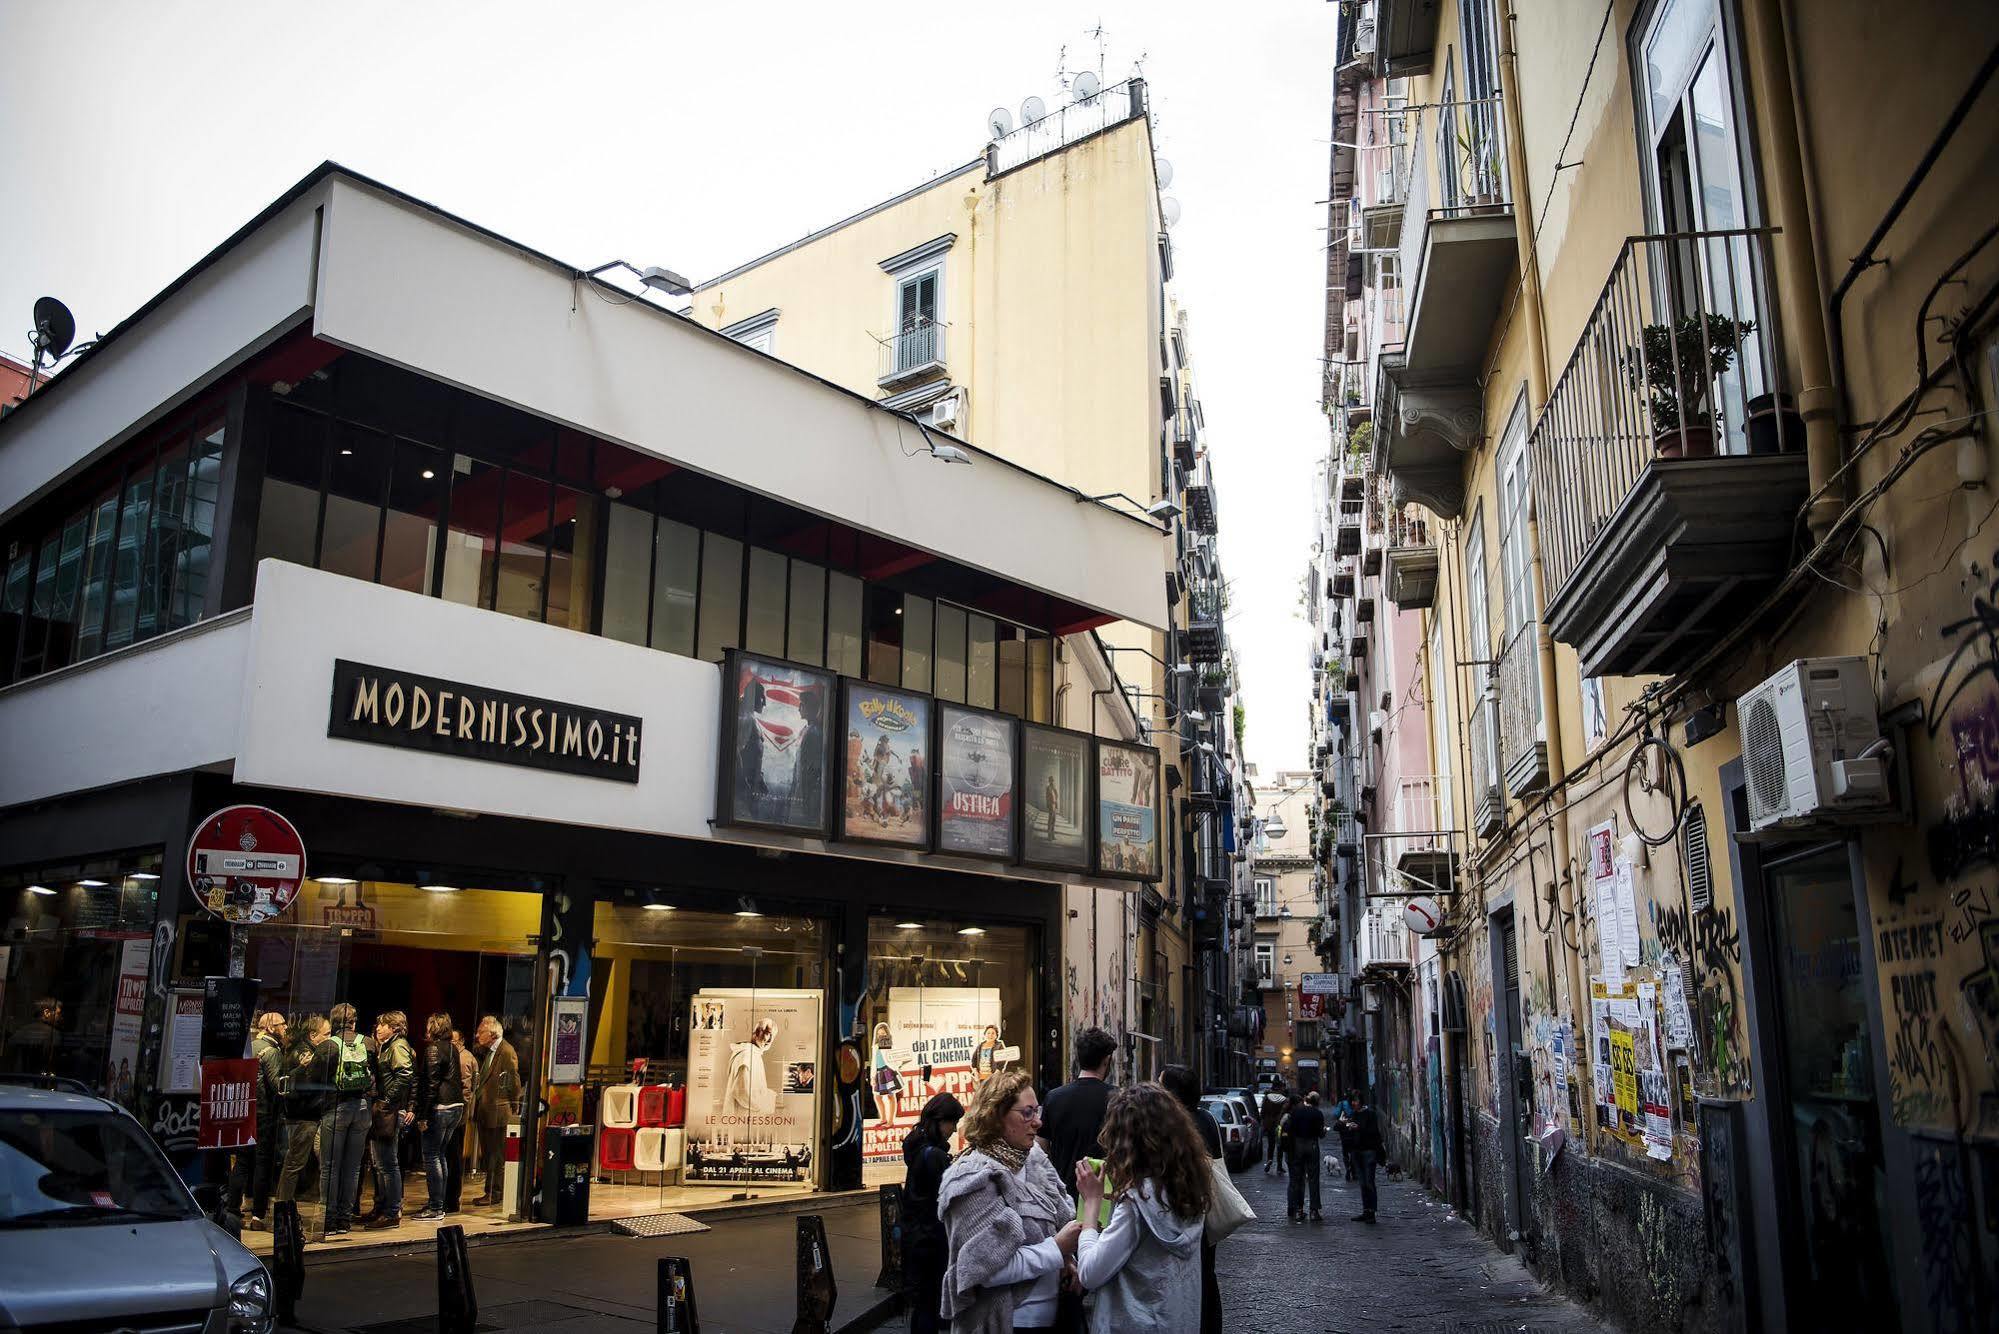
(1908, 954)
(1944, 1244)
(1712, 944)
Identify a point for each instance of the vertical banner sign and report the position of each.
(976, 773)
(228, 1104)
(180, 1048)
(752, 1085)
(1127, 811)
(568, 916)
(245, 864)
(567, 1046)
(228, 1007)
(128, 1016)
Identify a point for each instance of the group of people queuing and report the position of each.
(1294, 1129)
(372, 1104)
(1088, 1209)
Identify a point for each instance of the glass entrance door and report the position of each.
(1826, 1105)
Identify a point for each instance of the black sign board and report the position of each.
(228, 1008)
(398, 708)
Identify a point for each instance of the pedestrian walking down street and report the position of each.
(440, 1112)
(1069, 1124)
(926, 1154)
(1366, 1123)
(496, 1105)
(1182, 1084)
(1343, 1123)
(1271, 1108)
(1291, 1104)
(343, 1063)
(1010, 1229)
(1144, 1267)
(1305, 1126)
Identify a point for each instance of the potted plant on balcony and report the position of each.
(1676, 368)
(1214, 687)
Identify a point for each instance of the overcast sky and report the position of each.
(135, 137)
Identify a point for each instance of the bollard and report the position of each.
(890, 1278)
(287, 1261)
(677, 1312)
(816, 1289)
(457, 1305)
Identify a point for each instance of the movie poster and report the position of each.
(1055, 798)
(885, 766)
(776, 744)
(975, 789)
(1127, 810)
(752, 1086)
(935, 1040)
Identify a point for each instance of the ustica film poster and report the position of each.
(752, 1085)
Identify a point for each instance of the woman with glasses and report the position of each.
(1010, 1228)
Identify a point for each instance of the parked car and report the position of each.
(101, 1233)
(1248, 1105)
(1239, 1136)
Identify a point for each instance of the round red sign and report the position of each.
(245, 864)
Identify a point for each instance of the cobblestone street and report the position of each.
(1418, 1268)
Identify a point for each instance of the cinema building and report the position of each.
(708, 724)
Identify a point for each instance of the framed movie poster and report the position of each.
(975, 782)
(777, 744)
(752, 1085)
(1127, 811)
(885, 765)
(1054, 798)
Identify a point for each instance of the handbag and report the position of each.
(1227, 1209)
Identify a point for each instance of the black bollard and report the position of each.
(457, 1305)
(890, 1278)
(816, 1289)
(287, 1260)
(677, 1312)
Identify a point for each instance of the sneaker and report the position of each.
(256, 1225)
(1318, 1217)
(382, 1222)
(337, 1230)
(1363, 1218)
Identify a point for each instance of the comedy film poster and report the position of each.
(1127, 810)
(975, 782)
(885, 766)
(752, 1086)
(935, 1040)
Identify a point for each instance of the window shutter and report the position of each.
(1693, 847)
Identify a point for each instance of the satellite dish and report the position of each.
(999, 122)
(1032, 109)
(1169, 209)
(55, 327)
(1164, 170)
(1086, 86)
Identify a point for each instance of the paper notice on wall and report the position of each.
(180, 1050)
(1677, 1021)
(1627, 912)
(1652, 1088)
(1609, 946)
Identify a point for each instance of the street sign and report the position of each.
(245, 864)
(1320, 984)
(1311, 1005)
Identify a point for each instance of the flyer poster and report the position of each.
(935, 1040)
(776, 744)
(567, 1049)
(1631, 1064)
(975, 789)
(1127, 810)
(1055, 798)
(885, 766)
(128, 1016)
(752, 1086)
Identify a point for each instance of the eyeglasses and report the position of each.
(1028, 1113)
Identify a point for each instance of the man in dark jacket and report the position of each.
(926, 1153)
(440, 1113)
(393, 1109)
(1270, 1109)
(1366, 1123)
(304, 1098)
(268, 1047)
(1071, 1119)
(1305, 1126)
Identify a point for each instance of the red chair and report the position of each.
(615, 1149)
(652, 1105)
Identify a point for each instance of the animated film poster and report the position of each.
(776, 744)
(885, 766)
(1127, 810)
(752, 1086)
(1055, 798)
(935, 1040)
(975, 783)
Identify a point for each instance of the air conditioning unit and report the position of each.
(1812, 744)
(945, 412)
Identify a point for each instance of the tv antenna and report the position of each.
(54, 331)
(999, 122)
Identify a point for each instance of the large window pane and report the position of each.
(1013, 673)
(357, 484)
(471, 545)
(981, 665)
(1041, 679)
(676, 570)
(14, 609)
(163, 543)
(96, 568)
(843, 624)
(572, 548)
(135, 515)
(916, 644)
(806, 639)
(294, 470)
(950, 652)
(627, 573)
(884, 635)
(523, 546)
(416, 503)
(720, 626)
(764, 627)
(197, 528)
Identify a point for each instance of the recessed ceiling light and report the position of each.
(40, 889)
(336, 880)
(428, 474)
(142, 875)
(908, 926)
(346, 453)
(441, 889)
(657, 907)
(971, 931)
(747, 912)
(91, 884)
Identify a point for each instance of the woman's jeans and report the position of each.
(388, 1173)
(343, 1140)
(440, 1140)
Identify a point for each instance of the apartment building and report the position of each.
(1664, 359)
(1286, 901)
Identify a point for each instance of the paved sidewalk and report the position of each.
(581, 1283)
(1418, 1268)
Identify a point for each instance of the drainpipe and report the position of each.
(1523, 214)
(1798, 288)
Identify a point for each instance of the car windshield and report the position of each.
(64, 1167)
(1220, 1110)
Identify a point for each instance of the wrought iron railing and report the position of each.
(918, 344)
(1408, 526)
(1467, 172)
(1486, 805)
(1065, 125)
(1677, 360)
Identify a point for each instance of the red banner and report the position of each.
(228, 1105)
(1310, 1006)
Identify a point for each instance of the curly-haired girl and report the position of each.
(1145, 1266)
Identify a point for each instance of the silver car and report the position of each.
(100, 1232)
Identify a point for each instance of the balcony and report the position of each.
(1383, 169)
(1184, 438)
(1065, 125)
(1346, 531)
(1668, 464)
(1488, 808)
(1523, 754)
(1202, 640)
(1411, 560)
(1457, 257)
(1200, 504)
(912, 355)
(1363, 611)
(1343, 579)
(1405, 36)
(1383, 941)
(1418, 853)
